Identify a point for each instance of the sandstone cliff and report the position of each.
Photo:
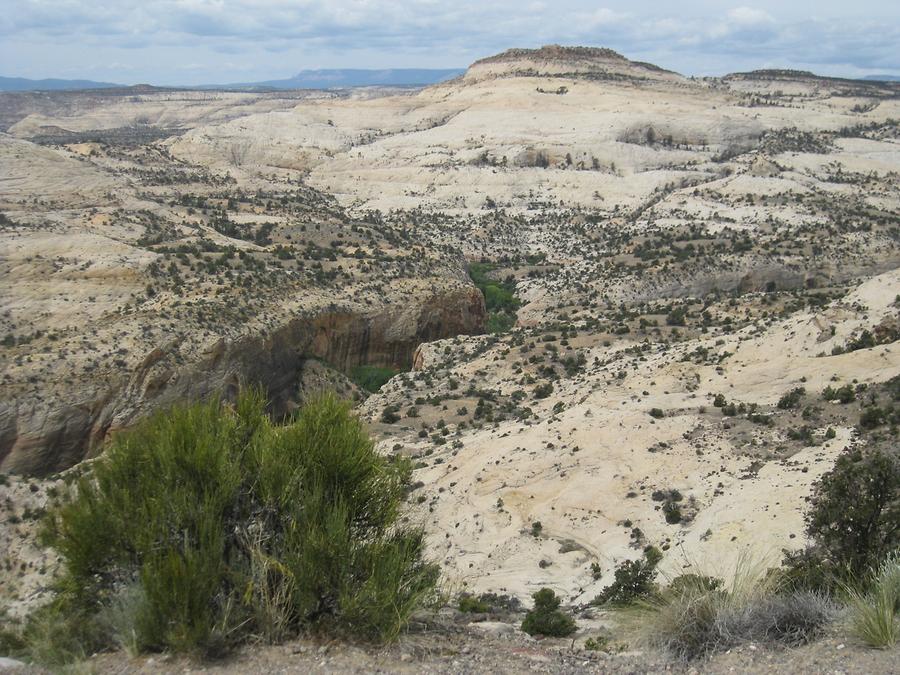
(42, 436)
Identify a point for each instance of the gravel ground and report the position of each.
(501, 649)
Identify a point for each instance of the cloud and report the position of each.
(434, 32)
(601, 17)
(748, 16)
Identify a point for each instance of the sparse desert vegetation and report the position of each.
(619, 369)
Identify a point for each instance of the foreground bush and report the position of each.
(208, 525)
(851, 523)
(546, 618)
(695, 618)
(875, 613)
(856, 508)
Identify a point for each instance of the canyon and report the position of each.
(674, 256)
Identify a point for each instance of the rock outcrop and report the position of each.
(41, 437)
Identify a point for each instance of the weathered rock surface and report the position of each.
(42, 437)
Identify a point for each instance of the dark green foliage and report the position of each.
(389, 414)
(875, 416)
(677, 316)
(546, 618)
(672, 512)
(855, 512)
(791, 399)
(230, 527)
(471, 604)
(688, 583)
(371, 378)
(807, 570)
(633, 580)
(488, 603)
(865, 340)
(803, 433)
(670, 508)
(499, 297)
(844, 394)
(657, 413)
(543, 390)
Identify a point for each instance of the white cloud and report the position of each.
(748, 16)
(278, 37)
(601, 17)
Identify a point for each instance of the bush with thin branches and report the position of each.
(221, 526)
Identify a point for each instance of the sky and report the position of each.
(185, 42)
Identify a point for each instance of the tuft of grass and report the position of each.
(874, 615)
(696, 617)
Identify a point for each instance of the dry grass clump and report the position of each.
(693, 618)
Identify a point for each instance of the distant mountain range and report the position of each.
(305, 79)
(357, 77)
(24, 84)
(329, 78)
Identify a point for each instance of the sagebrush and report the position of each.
(696, 616)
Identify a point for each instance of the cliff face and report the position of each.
(41, 437)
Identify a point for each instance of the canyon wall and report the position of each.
(43, 436)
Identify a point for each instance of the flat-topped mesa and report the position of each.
(803, 82)
(596, 63)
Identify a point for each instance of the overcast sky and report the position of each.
(218, 41)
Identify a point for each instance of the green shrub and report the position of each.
(808, 570)
(689, 582)
(499, 297)
(672, 512)
(633, 580)
(845, 394)
(791, 399)
(677, 317)
(856, 507)
(371, 378)
(546, 618)
(230, 527)
(470, 604)
(389, 414)
(597, 644)
(875, 416)
(543, 390)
